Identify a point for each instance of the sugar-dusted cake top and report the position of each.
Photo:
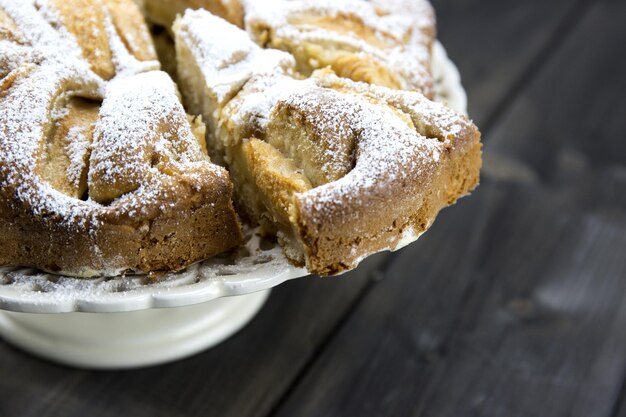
(96, 145)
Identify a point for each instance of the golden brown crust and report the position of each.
(198, 225)
(85, 20)
(334, 246)
(131, 27)
(384, 196)
(56, 161)
(338, 236)
(97, 176)
(276, 177)
(337, 169)
(377, 42)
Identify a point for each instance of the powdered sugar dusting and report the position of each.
(77, 149)
(389, 151)
(404, 36)
(400, 136)
(226, 55)
(131, 130)
(261, 95)
(44, 68)
(430, 118)
(34, 26)
(36, 97)
(401, 141)
(25, 112)
(421, 129)
(125, 62)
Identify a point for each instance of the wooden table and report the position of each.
(511, 305)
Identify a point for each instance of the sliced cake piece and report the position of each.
(337, 169)
(378, 42)
(211, 77)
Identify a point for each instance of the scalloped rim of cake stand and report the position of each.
(207, 303)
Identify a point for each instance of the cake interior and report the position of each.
(284, 137)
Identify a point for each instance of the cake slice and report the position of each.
(337, 169)
(211, 77)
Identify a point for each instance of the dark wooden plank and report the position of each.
(574, 111)
(498, 45)
(511, 305)
(620, 408)
(545, 337)
(381, 359)
(244, 376)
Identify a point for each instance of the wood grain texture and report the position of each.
(380, 364)
(511, 305)
(499, 45)
(517, 309)
(574, 111)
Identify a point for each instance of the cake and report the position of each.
(102, 170)
(337, 169)
(312, 121)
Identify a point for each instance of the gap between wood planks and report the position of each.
(373, 277)
(563, 30)
(619, 407)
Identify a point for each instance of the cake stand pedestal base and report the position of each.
(130, 339)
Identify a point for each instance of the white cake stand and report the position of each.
(133, 321)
